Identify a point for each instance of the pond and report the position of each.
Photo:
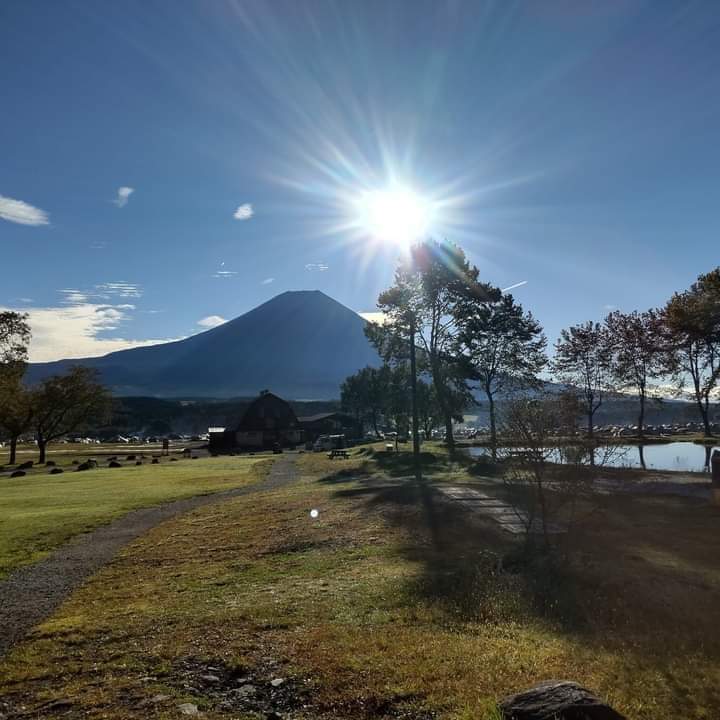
(681, 456)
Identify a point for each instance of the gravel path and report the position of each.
(32, 593)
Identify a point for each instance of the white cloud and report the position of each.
(267, 281)
(224, 274)
(211, 321)
(73, 331)
(244, 212)
(316, 267)
(123, 195)
(21, 212)
(375, 317)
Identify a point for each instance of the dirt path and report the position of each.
(32, 593)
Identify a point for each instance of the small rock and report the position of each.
(188, 709)
(245, 690)
(159, 698)
(56, 471)
(114, 464)
(277, 682)
(18, 473)
(212, 679)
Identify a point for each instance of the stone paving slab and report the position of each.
(510, 518)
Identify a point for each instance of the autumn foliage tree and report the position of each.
(692, 324)
(636, 351)
(15, 408)
(582, 360)
(66, 403)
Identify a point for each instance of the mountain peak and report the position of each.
(301, 344)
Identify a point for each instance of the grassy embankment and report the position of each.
(40, 511)
(389, 604)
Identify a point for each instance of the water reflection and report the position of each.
(679, 456)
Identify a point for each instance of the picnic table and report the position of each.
(338, 453)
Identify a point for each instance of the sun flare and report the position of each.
(394, 215)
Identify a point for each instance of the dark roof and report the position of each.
(256, 413)
(322, 416)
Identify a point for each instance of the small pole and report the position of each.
(413, 393)
(715, 464)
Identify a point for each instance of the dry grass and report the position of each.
(390, 604)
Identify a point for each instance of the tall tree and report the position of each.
(692, 322)
(364, 394)
(582, 359)
(505, 348)
(65, 403)
(429, 412)
(430, 297)
(636, 344)
(14, 406)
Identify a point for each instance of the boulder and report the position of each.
(557, 700)
(114, 464)
(155, 461)
(87, 465)
(18, 473)
(138, 462)
(26, 465)
(130, 457)
(50, 463)
(56, 471)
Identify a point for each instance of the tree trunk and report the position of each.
(13, 449)
(641, 419)
(440, 388)
(374, 422)
(493, 427)
(42, 447)
(641, 451)
(590, 414)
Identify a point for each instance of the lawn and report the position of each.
(389, 604)
(40, 511)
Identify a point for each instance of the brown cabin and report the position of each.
(267, 422)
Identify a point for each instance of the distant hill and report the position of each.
(300, 345)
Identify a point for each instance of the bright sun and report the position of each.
(395, 215)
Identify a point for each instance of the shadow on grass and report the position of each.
(474, 572)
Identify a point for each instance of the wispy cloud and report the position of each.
(316, 267)
(120, 288)
(224, 274)
(211, 321)
(610, 307)
(516, 285)
(267, 281)
(21, 212)
(244, 212)
(76, 331)
(123, 195)
(103, 291)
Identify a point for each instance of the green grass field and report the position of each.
(389, 604)
(40, 511)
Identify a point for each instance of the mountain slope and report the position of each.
(300, 345)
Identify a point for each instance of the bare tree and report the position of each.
(582, 360)
(692, 322)
(637, 349)
(65, 403)
(548, 482)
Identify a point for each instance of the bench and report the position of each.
(337, 453)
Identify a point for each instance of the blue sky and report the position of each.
(571, 145)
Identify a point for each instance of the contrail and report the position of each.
(516, 285)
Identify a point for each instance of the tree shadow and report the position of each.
(472, 571)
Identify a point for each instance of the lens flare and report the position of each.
(395, 215)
